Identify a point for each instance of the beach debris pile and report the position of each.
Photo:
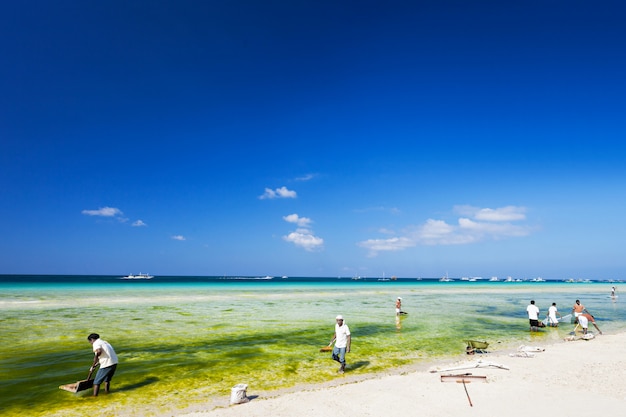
(586, 336)
(527, 351)
(471, 365)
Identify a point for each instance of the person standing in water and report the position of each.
(533, 316)
(552, 313)
(398, 306)
(342, 340)
(105, 356)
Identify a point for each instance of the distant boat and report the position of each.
(446, 279)
(538, 279)
(138, 276)
(284, 277)
(494, 279)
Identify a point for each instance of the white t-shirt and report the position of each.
(107, 357)
(341, 332)
(552, 313)
(533, 312)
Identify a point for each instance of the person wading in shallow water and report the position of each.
(533, 316)
(104, 355)
(398, 306)
(552, 313)
(342, 341)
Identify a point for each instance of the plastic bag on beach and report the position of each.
(238, 394)
(525, 348)
(522, 354)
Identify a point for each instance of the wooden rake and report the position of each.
(464, 379)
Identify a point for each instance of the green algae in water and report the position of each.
(180, 347)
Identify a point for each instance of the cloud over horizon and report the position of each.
(300, 221)
(103, 212)
(281, 192)
(307, 177)
(494, 224)
(303, 236)
(107, 212)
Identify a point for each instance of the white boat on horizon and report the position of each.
(445, 278)
(138, 276)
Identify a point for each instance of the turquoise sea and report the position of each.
(184, 342)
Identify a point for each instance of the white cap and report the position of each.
(399, 298)
(339, 317)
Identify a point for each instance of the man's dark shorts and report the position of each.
(105, 374)
(534, 323)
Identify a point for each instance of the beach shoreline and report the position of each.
(557, 377)
(198, 340)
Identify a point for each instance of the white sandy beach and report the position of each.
(580, 377)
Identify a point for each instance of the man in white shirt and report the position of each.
(104, 355)
(533, 316)
(552, 313)
(342, 341)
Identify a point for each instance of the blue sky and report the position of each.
(313, 138)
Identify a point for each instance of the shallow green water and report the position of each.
(183, 345)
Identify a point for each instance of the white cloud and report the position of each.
(303, 236)
(495, 230)
(305, 239)
(281, 192)
(300, 221)
(502, 214)
(139, 223)
(391, 244)
(104, 212)
(486, 224)
(306, 177)
(179, 237)
(108, 212)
